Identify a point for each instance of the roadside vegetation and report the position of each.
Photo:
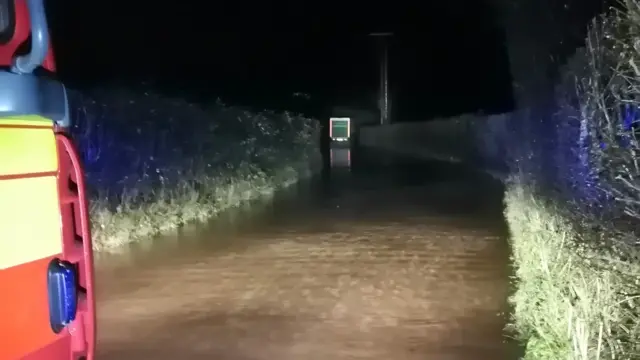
(572, 204)
(155, 163)
(576, 295)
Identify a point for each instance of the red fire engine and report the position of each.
(46, 259)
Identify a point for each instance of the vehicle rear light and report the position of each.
(62, 282)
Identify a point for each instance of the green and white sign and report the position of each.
(340, 128)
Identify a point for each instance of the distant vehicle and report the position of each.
(46, 258)
(340, 137)
(340, 131)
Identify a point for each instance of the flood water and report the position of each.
(395, 261)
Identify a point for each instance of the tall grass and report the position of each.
(575, 299)
(155, 163)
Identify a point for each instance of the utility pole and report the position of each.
(383, 59)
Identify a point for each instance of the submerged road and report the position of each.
(402, 261)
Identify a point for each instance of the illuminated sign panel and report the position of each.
(340, 128)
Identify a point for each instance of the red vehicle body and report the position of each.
(46, 258)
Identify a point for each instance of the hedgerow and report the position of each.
(155, 163)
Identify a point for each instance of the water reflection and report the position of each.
(400, 263)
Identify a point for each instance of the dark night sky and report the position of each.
(446, 57)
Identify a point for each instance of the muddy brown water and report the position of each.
(408, 261)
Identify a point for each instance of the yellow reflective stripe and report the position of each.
(26, 120)
(30, 224)
(26, 150)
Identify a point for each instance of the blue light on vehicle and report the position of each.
(63, 294)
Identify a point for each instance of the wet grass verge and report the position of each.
(576, 296)
(197, 200)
